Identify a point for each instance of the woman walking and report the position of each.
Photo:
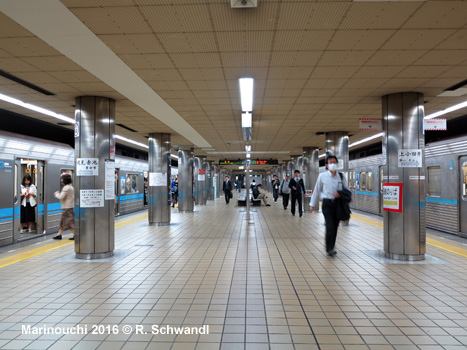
(66, 196)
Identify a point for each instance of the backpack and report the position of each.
(255, 192)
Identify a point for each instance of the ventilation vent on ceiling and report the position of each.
(237, 4)
(25, 83)
(455, 90)
(64, 124)
(126, 127)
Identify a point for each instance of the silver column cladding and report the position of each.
(159, 168)
(200, 180)
(209, 180)
(95, 140)
(185, 180)
(337, 143)
(310, 170)
(404, 232)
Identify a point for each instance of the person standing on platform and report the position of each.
(284, 190)
(298, 188)
(28, 202)
(239, 185)
(275, 188)
(328, 185)
(227, 188)
(174, 189)
(67, 197)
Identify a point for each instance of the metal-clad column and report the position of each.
(200, 180)
(311, 169)
(94, 202)
(337, 143)
(404, 232)
(159, 179)
(185, 180)
(209, 178)
(291, 166)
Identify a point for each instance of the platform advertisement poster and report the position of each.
(392, 197)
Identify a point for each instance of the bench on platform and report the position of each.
(255, 202)
(241, 200)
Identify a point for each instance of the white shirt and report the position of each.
(327, 184)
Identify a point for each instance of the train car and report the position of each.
(445, 185)
(45, 161)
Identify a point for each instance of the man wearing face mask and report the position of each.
(328, 185)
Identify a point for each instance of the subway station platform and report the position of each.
(263, 283)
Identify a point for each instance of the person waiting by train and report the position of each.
(28, 202)
(174, 189)
(67, 197)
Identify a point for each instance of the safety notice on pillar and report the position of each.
(392, 197)
(91, 198)
(202, 175)
(157, 179)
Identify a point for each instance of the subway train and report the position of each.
(445, 185)
(45, 161)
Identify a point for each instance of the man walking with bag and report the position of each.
(332, 186)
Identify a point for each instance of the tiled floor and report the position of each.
(263, 283)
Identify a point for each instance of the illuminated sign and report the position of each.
(252, 162)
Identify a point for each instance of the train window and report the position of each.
(369, 181)
(351, 180)
(464, 180)
(131, 185)
(362, 181)
(434, 181)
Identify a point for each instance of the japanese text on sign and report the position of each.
(410, 158)
(392, 197)
(157, 179)
(87, 167)
(91, 198)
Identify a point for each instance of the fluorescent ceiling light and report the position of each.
(367, 139)
(35, 108)
(174, 156)
(131, 141)
(246, 94)
(241, 167)
(247, 120)
(447, 110)
(248, 148)
(248, 155)
(323, 155)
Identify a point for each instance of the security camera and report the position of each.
(243, 2)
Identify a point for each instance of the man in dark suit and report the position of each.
(227, 188)
(298, 189)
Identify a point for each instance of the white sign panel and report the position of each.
(109, 180)
(76, 129)
(370, 124)
(434, 124)
(91, 198)
(385, 155)
(392, 197)
(87, 167)
(409, 158)
(157, 179)
(201, 177)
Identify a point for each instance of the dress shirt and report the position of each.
(327, 184)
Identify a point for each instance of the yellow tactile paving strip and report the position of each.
(55, 245)
(430, 241)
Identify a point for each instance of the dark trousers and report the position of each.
(285, 199)
(275, 194)
(332, 222)
(227, 196)
(297, 197)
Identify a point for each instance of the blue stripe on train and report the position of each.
(376, 194)
(441, 200)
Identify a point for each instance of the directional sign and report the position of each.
(370, 124)
(435, 124)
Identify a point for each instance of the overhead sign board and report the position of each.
(434, 124)
(252, 162)
(370, 124)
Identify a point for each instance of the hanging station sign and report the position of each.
(252, 162)
(434, 124)
(370, 124)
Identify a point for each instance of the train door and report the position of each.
(117, 192)
(381, 180)
(35, 215)
(463, 194)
